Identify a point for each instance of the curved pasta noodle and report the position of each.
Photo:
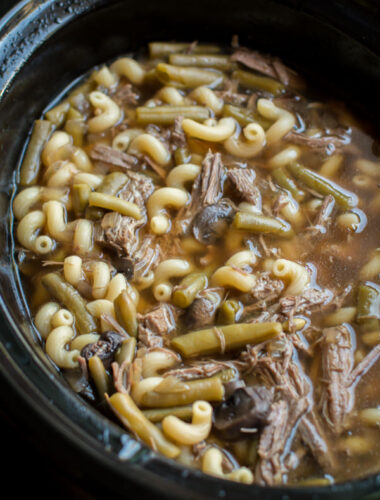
(295, 276)
(242, 259)
(254, 143)
(170, 268)
(25, 200)
(110, 112)
(56, 141)
(72, 269)
(61, 174)
(122, 141)
(219, 132)
(171, 95)
(56, 343)
(105, 77)
(142, 387)
(56, 220)
(101, 277)
(284, 120)
(83, 236)
(157, 360)
(158, 201)
(284, 157)
(212, 464)
(43, 318)
(227, 276)
(27, 230)
(368, 167)
(129, 68)
(62, 317)
(150, 145)
(182, 174)
(207, 97)
(83, 340)
(189, 434)
(92, 180)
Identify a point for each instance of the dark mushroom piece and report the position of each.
(212, 221)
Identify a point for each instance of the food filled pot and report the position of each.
(47, 47)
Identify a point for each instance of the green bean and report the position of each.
(166, 115)
(57, 115)
(345, 199)
(112, 183)
(206, 389)
(125, 311)
(244, 116)
(31, 164)
(158, 414)
(226, 375)
(262, 224)
(93, 213)
(229, 312)
(181, 156)
(219, 61)
(188, 289)
(209, 341)
(134, 419)
(115, 204)
(188, 77)
(100, 376)
(253, 81)
(284, 180)
(368, 302)
(72, 299)
(80, 194)
(161, 49)
(77, 129)
(74, 114)
(126, 352)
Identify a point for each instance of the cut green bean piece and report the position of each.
(368, 302)
(245, 117)
(162, 49)
(188, 289)
(93, 213)
(77, 130)
(110, 202)
(284, 180)
(158, 414)
(264, 224)
(80, 194)
(181, 156)
(218, 61)
(166, 115)
(126, 352)
(230, 312)
(226, 375)
(125, 311)
(72, 299)
(188, 77)
(133, 418)
(100, 376)
(31, 164)
(57, 115)
(253, 81)
(112, 183)
(205, 389)
(217, 339)
(345, 199)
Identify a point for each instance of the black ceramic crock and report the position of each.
(44, 46)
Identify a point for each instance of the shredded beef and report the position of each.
(112, 156)
(124, 96)
(155, 325)
(247, 408)
(243, 181)
(331, 142)
(200, 369)
(104, 348)
(323, 218)
(310, 301)
(178, 137)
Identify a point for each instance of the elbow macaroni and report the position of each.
(189, 434)
(284, 120)
(170, 268)
(161, 198)
(56, 347)
(254, 142)
(294, 275)
(217, 132)
(110, 113)
(227, 276)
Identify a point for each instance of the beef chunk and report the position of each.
(274, 441)
(124, 95)
(311, 300)
(323, 217)
(247, 408)
(330, 142)
(212, 221)
(112, 156)
(155, 325)
(243, 181)
(337, 363)
(104, 348)
(203, 310)
(211, 179)
(178, 137)
(119, 232)
(138, 189)
(200, 369)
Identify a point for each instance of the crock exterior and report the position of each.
(44, 46)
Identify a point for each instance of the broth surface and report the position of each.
(197, 235)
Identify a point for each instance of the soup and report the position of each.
(197, 238)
